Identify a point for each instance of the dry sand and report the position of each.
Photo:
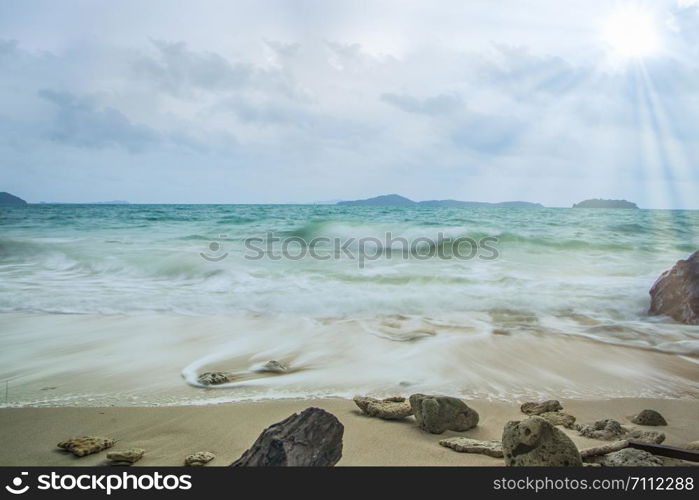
(29, 435)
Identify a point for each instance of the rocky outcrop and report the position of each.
(199, 459)
(535, 442)
(310, 438)
(394, 408)
(536, 408)
(86, 445)
(437, 414)
(465, 445)
(559, 418)
(676, 292)
(628, 457)
(126, 457)
(214, 378)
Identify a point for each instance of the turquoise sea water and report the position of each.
(164, 289)
(577, 266)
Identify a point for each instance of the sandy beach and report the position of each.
(168, 434)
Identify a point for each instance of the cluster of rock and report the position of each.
(550, 411)
(313, 437)
(537, 442)
(608, 429)
(434, 414)
(89, 445)
(395, 408)
(221, 377)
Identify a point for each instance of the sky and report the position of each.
(307, 101)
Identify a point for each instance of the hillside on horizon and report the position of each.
(396, 200)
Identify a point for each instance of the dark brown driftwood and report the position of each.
(310, 438)
(666, 451)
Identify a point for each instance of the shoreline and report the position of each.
(103, 361)
(169, 433)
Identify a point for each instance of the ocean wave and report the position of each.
(552, 264)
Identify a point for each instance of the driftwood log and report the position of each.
(604, 449)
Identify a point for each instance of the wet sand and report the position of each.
(93, 360)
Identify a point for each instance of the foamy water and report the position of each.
(88, 291)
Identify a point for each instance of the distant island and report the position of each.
(395, 200)
(114, 202)
(10, 200)
(598, 203)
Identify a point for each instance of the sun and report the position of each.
(631, 32)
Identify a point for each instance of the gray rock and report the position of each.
(535, 442)
(437, 414)
(394, 408)
(647, 436)
(126, 457)
(676, 292)
(312, 438)
(649, 417)
(559, 418)
(606, 429)
(536, 408)
(214, 378)
(273, 366)
(86, 445)
(199, 459)
(694, 445)
(628, 457)
(465, 445)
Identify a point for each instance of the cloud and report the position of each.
(178, 70)
(81, 123)
(258, 104)
(491, 135)
(435, 105)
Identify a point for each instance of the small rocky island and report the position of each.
(396, 200)
(599, 203)
(10, 200)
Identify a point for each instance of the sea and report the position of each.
(129, 304)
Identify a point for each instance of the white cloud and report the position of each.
(461, 101)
